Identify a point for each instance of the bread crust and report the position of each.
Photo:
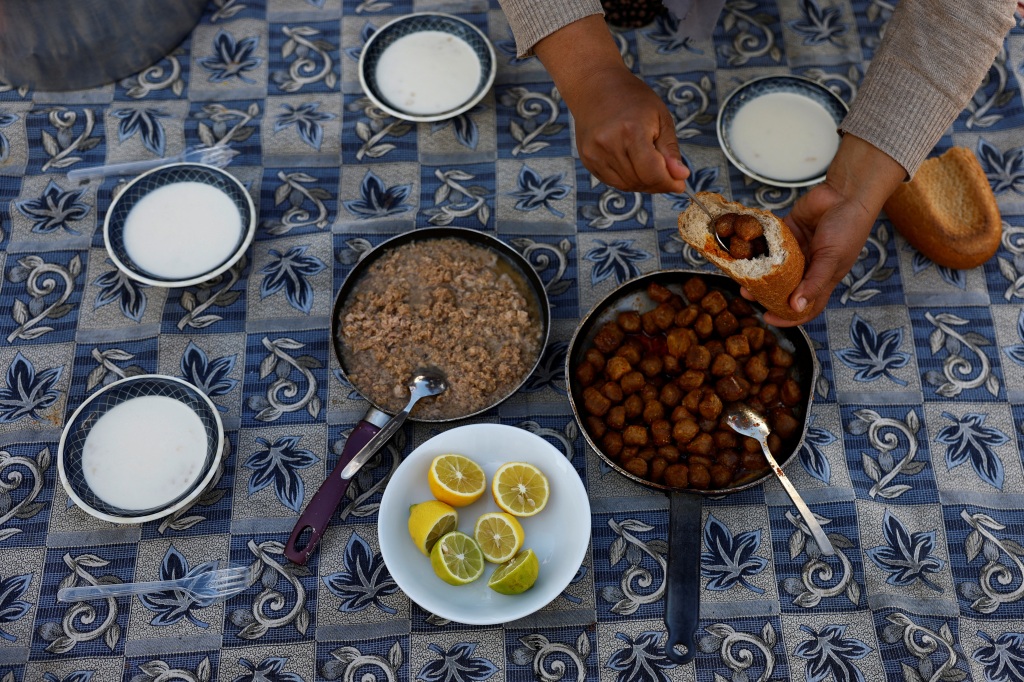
(770, 279)
(948, 211)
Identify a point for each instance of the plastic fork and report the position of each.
(218, 155)
(208, 587)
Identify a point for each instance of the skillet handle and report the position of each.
(682, 578)
(317, 516)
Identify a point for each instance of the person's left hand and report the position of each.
(832, 222)
(831, 230)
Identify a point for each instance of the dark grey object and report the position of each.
(78, 44)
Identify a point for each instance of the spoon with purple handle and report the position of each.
(314, 520)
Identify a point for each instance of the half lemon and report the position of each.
(428, 521)
(457, 559)
(520, 488)
(456, 480)
(516, 576)
(500, 535)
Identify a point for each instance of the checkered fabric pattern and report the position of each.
(913, 460)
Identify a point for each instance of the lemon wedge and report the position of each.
(428, 521)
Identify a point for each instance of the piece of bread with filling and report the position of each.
(948, 211)
(769, 277)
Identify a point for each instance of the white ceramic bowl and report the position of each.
(76, 431)
(810, 90)
(195, 258)
(559, 535)
(425, 58)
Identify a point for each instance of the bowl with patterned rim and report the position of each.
(427, 66)
(179, 225)
(775, 130)
(140, 448)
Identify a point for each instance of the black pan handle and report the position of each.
(682, 576)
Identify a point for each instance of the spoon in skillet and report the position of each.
(427, 381)
(745, 421)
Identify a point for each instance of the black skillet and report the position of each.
(682, 572)
(315, 518)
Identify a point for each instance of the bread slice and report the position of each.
(770, 278)
(948, 211)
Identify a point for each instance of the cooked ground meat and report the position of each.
(444, 302)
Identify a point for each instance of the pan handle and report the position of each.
(682, 576)
(317, 516)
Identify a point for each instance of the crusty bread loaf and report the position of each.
(770, 278)
(948, 211)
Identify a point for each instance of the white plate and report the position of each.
(558, 535)
(768, 85)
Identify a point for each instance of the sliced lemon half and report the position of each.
(428, 521)
(516, 576)
(500, 535)
(456, 480)
(520, 488)
(457, 559)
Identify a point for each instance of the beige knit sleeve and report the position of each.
(531, 20)
(933, 57)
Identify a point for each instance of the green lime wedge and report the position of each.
(457, 559)
(516, 575)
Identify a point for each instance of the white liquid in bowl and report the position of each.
(182, 230)
(144, 452)
(428, 72)
(784, 136)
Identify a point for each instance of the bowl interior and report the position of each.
(85, 418)
(165, 176)
(388, 34)
(632, 296)
(759, 87)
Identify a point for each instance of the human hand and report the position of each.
(624, 132)
(831, 230)
(832, 222)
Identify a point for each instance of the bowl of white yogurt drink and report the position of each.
(140, 448)
(427, 66)
(179, 225)
(781, 130)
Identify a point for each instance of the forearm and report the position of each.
(579, 55)
(533, 20)
(934, 56)
(625, 134)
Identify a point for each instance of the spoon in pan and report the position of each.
(427, 381)
(745, 421)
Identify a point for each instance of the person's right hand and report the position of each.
(624, 132)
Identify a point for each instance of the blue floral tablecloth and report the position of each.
(913, 460)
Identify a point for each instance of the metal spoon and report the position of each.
(745, 421)
(428, 381)
(711, 225)
(698, 204)
(310, 527)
